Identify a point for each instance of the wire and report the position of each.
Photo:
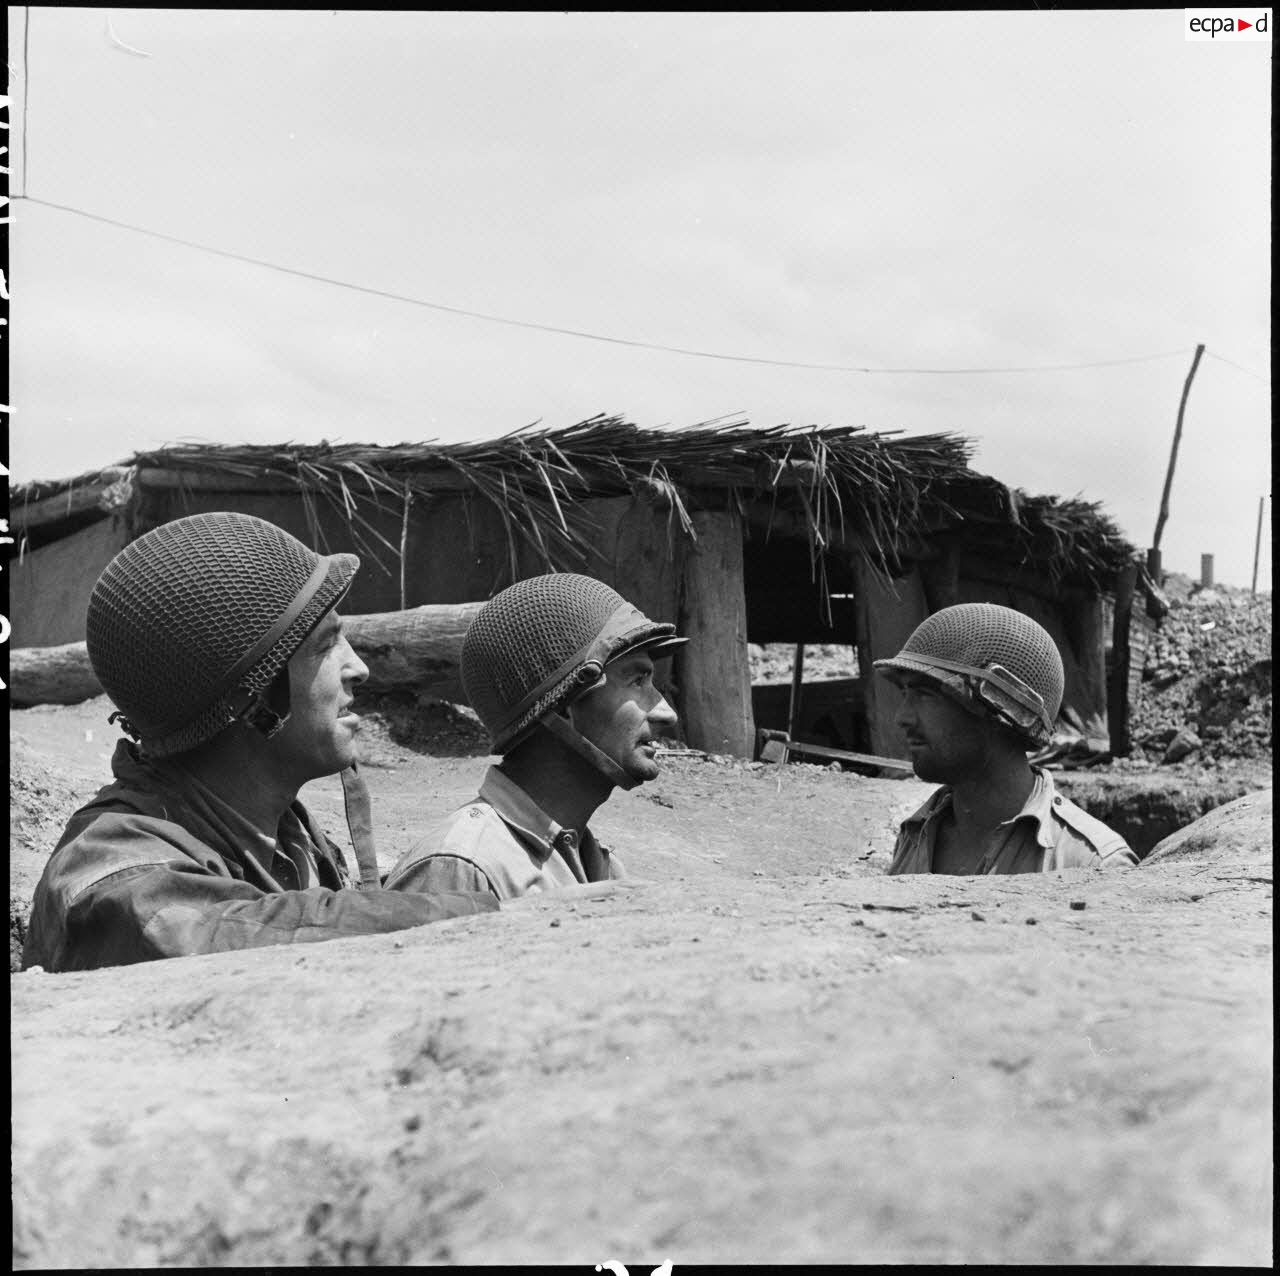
(575, 332)
(1238, 367)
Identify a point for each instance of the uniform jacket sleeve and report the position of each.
(131, 887)
(440, 872)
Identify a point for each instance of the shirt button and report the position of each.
(1057, 801)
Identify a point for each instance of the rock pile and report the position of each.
(1206, 687)
(773, 662)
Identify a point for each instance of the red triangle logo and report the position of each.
(1242, 25)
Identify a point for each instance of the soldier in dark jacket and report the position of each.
(216, 638)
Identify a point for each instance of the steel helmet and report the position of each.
(540, 643)
(190, 624)
(994, 660)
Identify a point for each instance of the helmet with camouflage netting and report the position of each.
(537, 645)
(190, 625)
(994, 660)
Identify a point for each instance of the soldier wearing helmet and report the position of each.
(216, 638)
(559, 669)
(982, 685)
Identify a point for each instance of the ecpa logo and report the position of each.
(1228, 24)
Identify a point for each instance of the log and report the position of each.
(416, 650)
(104, 492)
(51, 675)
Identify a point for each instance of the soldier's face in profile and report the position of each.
(320, 736)
(946, 742)
(624, 716)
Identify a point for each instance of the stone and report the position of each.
(1185, 743)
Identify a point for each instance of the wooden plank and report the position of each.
(49, 587)
(845, 755)
(212, 481)
(887, 614)
(713, 670)
(637, 549)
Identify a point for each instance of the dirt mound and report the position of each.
(770, 1052)
(1208, 674)
(707, 1069)
(1145, 803)
(46, 785)
(1239, 831)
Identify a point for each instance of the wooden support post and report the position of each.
(713, 672)
(887, 614)
(636, 550)
(1118, 704)
(1087, 681)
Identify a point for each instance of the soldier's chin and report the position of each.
(926, 769)
(643, 768)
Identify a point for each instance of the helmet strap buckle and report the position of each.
(569, 735)
(257, 711)
(125, 725)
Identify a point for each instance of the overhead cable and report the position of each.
(575, 332)
(1239, 367)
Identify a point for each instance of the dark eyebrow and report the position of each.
(330, 626)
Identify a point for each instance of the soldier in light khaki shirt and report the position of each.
(560, 670)
(982, 685)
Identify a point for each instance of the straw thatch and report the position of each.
(847, 485)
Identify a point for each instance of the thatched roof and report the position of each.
(846, 483)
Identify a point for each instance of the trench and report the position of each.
(1145, 816)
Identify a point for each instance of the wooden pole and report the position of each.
(1153, 556)
(797, 686)
(1257, 545)
(404, 538)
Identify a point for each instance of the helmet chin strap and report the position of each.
(572, 738)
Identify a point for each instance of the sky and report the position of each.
(921, 194)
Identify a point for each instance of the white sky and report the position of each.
(890, 190)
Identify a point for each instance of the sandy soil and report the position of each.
(766, 1052)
